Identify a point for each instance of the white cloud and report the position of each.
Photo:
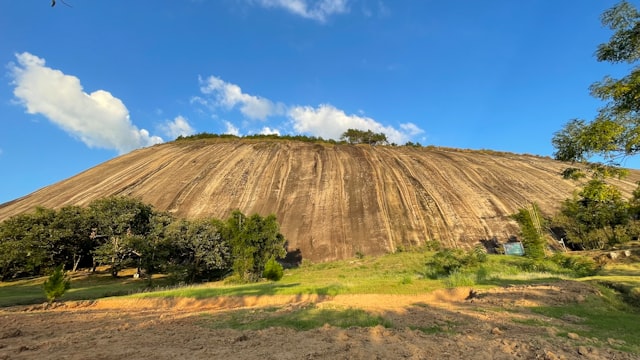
(269, 131)
(329, 122)
(317, 10)
(325, 120)
(97, 119)
(178, 127)
(229, 95)
(411, 129)
(231, 129)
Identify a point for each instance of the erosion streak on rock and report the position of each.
(331, 200)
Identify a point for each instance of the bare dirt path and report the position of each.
(451, 328)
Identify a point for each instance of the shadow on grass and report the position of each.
(260, 289)
(305, 318)
(89, 287)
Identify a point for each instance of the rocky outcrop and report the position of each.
(331, 200)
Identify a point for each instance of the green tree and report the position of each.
(273, 270)
(57, 284)
(28, 244)
(115, 222)
(531, 225)
(254, 240)
(199, 250)
(596, 217)
(74, 243)
(153, 251)
(355, 136)
(615, 132)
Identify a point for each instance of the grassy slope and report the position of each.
(606, 316)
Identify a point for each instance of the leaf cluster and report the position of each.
(615, 133)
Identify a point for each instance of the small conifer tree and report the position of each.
(273, 270)
(57, 284)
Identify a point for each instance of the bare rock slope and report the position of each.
(331, 200)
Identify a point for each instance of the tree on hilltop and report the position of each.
(355, 136)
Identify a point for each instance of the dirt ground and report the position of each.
(478, 328)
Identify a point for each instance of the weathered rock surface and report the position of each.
(331, 200)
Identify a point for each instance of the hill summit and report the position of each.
(331, 200)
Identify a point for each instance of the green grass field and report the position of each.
(612, 315)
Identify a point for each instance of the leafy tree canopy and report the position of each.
(615, 132)
(355, 136)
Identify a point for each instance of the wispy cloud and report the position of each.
(229, 95)
(98, 119)
(325, 120)
(318, 10)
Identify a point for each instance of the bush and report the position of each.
(273, 270)
(446, 262)
(579, 265)
(56, 285)
(432, 245)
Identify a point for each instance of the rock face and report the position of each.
(332, 201)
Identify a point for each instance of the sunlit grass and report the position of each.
(605, 318)
(401, 273)
(83, 287)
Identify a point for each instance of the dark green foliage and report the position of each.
(355, 136)
(596, 217)
(448, 261)
(115, 222)
(303, 138)
(153, 251)
(56, 285)
(531, 231)
(273, 270)
(254, 240)
(124, 232)
(199, 250)
(579, 265)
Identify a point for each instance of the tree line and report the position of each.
(351, 136)
(123, 231)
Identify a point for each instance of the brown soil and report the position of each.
(485, 327)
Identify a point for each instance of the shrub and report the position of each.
(432, 245)
(273, 270)
(446, 262)
(579, 265)
(56, 285)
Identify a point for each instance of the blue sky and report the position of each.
(86, 83)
